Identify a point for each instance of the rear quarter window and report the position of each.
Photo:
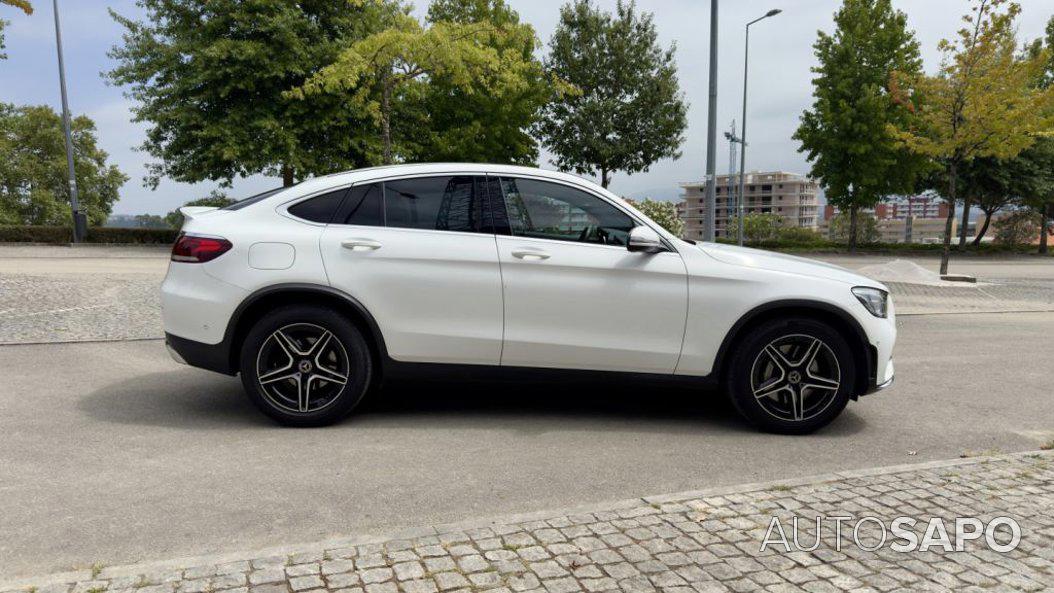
(319, 209)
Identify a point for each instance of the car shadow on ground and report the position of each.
(195, 400)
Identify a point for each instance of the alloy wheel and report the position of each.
(795, 377)
(302, 368)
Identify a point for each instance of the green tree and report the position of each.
(389, 71)
(842, 227)
(983, 102)
(33, 174)
(1016, 228)
(626, 111)
(846, 133)
(491, 123)
(758, 227)
(216, 199)
(209, 78)
(26, 8)
(662, 212)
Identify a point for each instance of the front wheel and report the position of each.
(791, 376)
(305, 365)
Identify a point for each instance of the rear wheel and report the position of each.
(305, 365)
(791, 376)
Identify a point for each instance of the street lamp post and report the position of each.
(711, 131)
(79, 223)
(743, 137)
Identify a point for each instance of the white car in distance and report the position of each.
(315, 292)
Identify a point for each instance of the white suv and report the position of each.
(316, 292)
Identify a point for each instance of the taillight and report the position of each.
(196, 250)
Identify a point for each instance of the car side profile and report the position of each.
(315, 293)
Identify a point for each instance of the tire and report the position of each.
(791, 376)
(293, 362)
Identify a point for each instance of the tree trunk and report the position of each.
(965, 222)
(984, 228)
(953, 170)
(287, 176)
(605, 179)
(852, 229)
(386, 121)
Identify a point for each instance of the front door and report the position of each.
(575, 297)
(418, 253)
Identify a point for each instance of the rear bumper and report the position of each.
(212, 357)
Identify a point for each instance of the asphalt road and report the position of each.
(111, 453)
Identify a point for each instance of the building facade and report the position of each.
(790, 196)
(901, 207)
(905, 219)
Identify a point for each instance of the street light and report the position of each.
(79, 220)
(743, 137)
(711, 131)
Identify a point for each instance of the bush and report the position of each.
(1020, 227)
(35, 234)
(139, 236)
(800, 235)
(63, 235)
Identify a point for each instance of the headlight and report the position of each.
(876, 301)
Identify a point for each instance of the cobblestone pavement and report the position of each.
(695, 541)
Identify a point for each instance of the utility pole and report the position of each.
(711, 131)
(80, 225)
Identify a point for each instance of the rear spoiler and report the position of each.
(190, 212)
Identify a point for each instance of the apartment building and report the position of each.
(902, 207)
(791, 196)
(905, 219)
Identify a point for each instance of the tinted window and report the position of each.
(448, 203)
(253, 199)
(365, 205)
(319, 208)
(552, 211)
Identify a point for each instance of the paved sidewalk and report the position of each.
(694, 541)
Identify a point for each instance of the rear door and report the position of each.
(419, 254)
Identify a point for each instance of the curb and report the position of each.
(181, 563)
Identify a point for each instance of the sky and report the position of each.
(780, 81)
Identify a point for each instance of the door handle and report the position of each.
(530, 254)
(360, 244)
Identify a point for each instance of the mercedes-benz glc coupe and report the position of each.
(316, 292)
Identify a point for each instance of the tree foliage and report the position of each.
(390, 71)
(492, 122)
(34, 187)
(26, 8)
(984, 101)
(216, 199)
(1017, 228)
(662, 212)
(626, 110)
(846, 134)
(22, 4)
(758, 227)
(866, 228)
(209, 78)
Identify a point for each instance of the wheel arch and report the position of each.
(265, 299)
(863, 352)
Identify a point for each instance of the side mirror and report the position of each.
(644, 240)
